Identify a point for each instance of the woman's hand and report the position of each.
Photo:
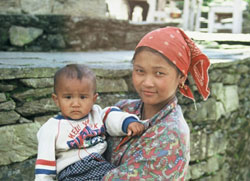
(135, 128)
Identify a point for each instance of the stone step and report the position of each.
(100, 59)
(220, 37)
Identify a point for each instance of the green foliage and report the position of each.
(206, 2)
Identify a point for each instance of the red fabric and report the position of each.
(173, 43)
(45, 162)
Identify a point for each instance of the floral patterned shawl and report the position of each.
(160, 153)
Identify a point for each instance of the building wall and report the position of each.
(118, 9)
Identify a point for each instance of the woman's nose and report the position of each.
(148, 81)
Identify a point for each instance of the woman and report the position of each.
(162, 60)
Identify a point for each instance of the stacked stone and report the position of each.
(26, 103)
(69, 33)
(19, 103)
(93, 8)
(219, 129)
(217, 125)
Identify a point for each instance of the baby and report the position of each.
(71, 144)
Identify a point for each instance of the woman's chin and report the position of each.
(148, 100)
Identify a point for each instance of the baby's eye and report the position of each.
(83, 97)
(67, 97)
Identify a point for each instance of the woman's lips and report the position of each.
(148, 93)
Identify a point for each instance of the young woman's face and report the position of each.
(154, 78)
(74, 97)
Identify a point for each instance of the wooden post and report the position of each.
(186, 15)
(237, 16)
(198, 15)
(211, 20)
(151, 11)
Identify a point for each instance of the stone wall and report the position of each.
(44, 33)
(219, 129)
(68, 33)
(93, 8)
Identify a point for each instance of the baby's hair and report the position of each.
(142, 48)
(73, 71)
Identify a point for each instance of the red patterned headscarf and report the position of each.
(174, 44)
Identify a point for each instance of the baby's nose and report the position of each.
(76, 102)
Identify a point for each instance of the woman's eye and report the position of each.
(159, 73)
(139, 70)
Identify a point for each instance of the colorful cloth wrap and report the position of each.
(174, 44)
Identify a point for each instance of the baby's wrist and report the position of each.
(126, 122)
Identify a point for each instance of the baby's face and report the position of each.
(74, 97)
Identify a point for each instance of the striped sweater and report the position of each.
(62, 142)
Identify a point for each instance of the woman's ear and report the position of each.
(95, 97)
(182, 80)
(55, 99)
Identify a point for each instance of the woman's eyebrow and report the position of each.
(159, 67)
(136, 65)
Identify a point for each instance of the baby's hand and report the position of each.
(135, 128)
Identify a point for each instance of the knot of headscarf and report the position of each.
(174, 44)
